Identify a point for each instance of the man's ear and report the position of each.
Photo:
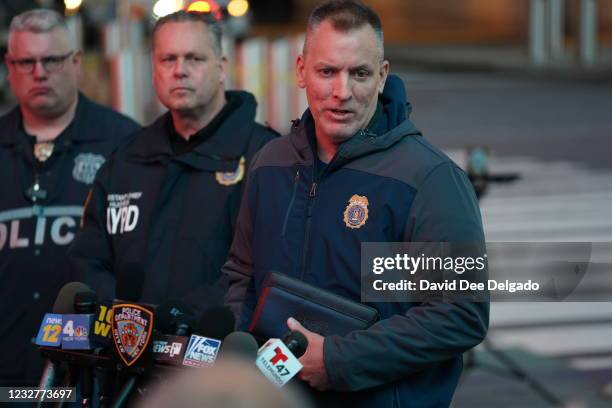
(383, 72)
(223, 66)
(76, 59)
(7, 62)
(300, 71)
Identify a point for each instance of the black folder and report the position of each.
(318, 310)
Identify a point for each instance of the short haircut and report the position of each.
(214, 27)
(346, 15)
(39, 21)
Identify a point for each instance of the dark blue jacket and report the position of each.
(34, 236)
(293, 221)
(171, 214)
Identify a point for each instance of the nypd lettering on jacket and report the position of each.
(33, 226)
(121, 214)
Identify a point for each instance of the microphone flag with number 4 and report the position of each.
(76, 329)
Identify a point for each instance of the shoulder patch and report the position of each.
(86, 165)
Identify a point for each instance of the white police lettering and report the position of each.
(17, 242)
(121, 214)
(56, 230)
(29, 226)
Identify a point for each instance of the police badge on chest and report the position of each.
(86, 165)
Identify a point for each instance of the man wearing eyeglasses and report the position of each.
(51, 146)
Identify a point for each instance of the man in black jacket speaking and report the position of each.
(167, 200)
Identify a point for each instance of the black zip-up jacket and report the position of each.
(171, 214)
(34, 236)
(384, 186)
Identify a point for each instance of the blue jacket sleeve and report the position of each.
(240, 297)
(445, 209)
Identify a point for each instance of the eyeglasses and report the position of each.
(52, 63)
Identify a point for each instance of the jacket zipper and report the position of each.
(296, 179)
(311, 198)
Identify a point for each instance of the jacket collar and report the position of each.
(83, 115)
(360, 144)
(220, 152)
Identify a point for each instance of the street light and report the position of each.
(165, 7)
(201, 6)
(72, 6)
(237, 8)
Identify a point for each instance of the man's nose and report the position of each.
(39, 71)
(180, 68)
(342, 87)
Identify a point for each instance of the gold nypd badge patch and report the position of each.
(231, 177)
(356, 212)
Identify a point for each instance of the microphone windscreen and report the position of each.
(85, 302)
(239, 344)
(296, 342)
(130, 280)
(64, 303)
(216, 323)
(174, 312)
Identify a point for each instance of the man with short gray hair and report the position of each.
(355, 170)
(51, 146)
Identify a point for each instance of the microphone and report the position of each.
(278, 359)
(64, 303)
(131, 328)
(240, 345)
(50, 330)
(215, 324)
(131, 322)
(76, 328)
(169, 349)
(175, 321)
(102, 336)
(103, 320)
(85, 304)
(175, 317)
(296, 342)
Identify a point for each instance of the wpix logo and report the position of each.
(164, 347)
